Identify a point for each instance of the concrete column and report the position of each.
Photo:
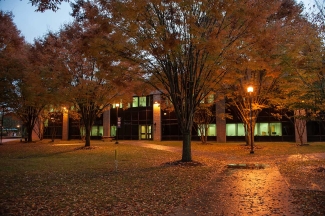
(156, 118)
(300, 127)
(65, 125)
(221, 121)
(37, 128)
(107, 123)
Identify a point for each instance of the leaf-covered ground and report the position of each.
(47, 179)
(62, 178)
(306, 179)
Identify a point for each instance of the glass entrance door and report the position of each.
(145, 132)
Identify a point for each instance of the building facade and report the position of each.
(144, 119)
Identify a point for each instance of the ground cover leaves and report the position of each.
(65, 179)
(70, 181)
(306, 180)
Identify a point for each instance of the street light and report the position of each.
(250, 90)
(117, 122)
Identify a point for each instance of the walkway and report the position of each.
(240, 191)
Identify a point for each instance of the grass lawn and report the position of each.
(58, 179)
(261, 148)
(61, 178)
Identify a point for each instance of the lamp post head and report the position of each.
(117, 105)
(250, 89)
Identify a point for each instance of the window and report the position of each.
(212, 131)
(96, 131)
(240, 130)
(135, 102)
(46, 123)
(142, 102)
(113, 131)
(210, 98)
(261, 129)
(275, 129)
(231, 130)
(82, 131)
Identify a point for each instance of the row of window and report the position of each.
(232, 129)
(144, 101)
(261, 129)
(238, 129)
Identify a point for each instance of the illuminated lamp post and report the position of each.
(117, 122)
(250, 90)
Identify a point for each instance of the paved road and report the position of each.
(241, 191)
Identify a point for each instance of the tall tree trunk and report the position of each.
(187, 154)
(87, 138)
(29, 134)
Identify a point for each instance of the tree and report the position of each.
(203, 117)
(21, 86)
(33, 90)
(93, 78)
(11, 58)
(247, 105)
(321, 8)
(185, 47)
(303, 89)
(43, 5)
(265, 65)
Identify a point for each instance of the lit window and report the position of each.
(142, 102)
(82, 131)
(211, 98)
(211, 130)
(46, 123)
(96, 131)
(113, 130)
(135, 102)
(261, 129)
(231, 129)
(275, 129)
(241, 130)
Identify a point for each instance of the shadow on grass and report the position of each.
(182, 164)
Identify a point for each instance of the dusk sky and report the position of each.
(36, 24)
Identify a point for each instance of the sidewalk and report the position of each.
(241, 191)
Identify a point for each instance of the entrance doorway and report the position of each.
(145, 132)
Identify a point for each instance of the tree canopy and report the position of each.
(187, 47)
(43, 5)
(184, 49)
(92, 76)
